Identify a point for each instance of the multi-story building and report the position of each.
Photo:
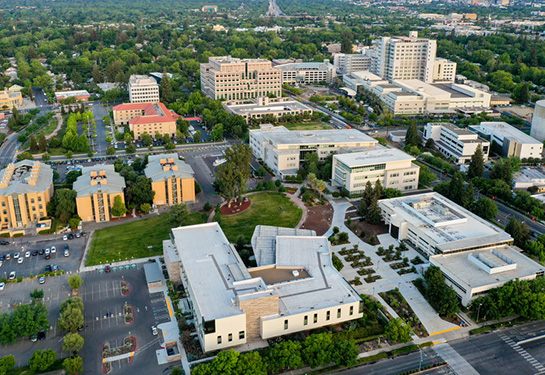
(473, 254)
(406, 58)
(146, 118)
(26, 188)
(283, 150)
(392, 167)
(172, 179)
(263, 106)
(365, 80)
(10, 99)
(444, 70)
(143, 89)
(284, 294)
(530, 178)
(512, 141)
(307, 72)
(348, 63)
(96, 190)
(78, 95)
(454, 142)
(237, 79)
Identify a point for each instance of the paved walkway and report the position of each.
(59, 125)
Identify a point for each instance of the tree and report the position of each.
(131, 148)
(233, 175)
(476, 165)
(71, 319)
(486, 208)
(74, 222)
(442, 297)
(176, 371)
(72, 343)
(118, 209)
(64, 202)
(178, 215)
(217, 133)
(503, 170)
(140, 191)
(397, 330)
(456, 188)
(73, 365)
(374, 214)
(42, 143)
(147, 139)
(25, 156)
(7, 363)
(468, 198)
(316, 350)
(197, 136)
(166, 88)
(110, 151)
(75, 281)
(519, 231)
(344, 353)
(72, 176)
(33, 144)
(285, 356)
(426, 176)
(41, 360)
(412, 138)
(145, 207)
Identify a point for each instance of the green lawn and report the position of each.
(307, 126)
(266, 209)
(137, 239)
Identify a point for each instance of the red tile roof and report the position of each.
(130, 106)
(151, 115)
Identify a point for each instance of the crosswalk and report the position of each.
(523, 353)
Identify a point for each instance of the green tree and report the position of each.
(486, 208)
(178, 215)
(397, 330)
(33, 144)
(140, 191)
(72, 343)
(476, 165)
(197, 136)
(75, 281)
(7, 363)
(73, 365)
(42, 143)
(118, 209)
(71, 319)
(25, 156)
(316, 350)
(412, 138)
(64, 202)
(217, 133)
(285, 356)
(345, 353)
(519, 231)
(72, 176)
(145, 207)
(147, 139)
(41, 360)
(503, 170)
(110, 151)
(166, 87)
(456, 188)
(374, 214)
(426, 176)
(74, 222)
(233, 175)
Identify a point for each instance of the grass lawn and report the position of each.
(137, 239)
(266, 209)
(307, 126)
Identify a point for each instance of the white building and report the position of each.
(529, 177)
(473, 255)
(307, 72)
(364, 79)
(391, 166)
(283, 150)
(263, 106)
(512, 141)
(294, 287)
(538, 121)
(348, 63)
(143, 89)
(444, 70)
(454, 142)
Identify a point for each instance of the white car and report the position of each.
(1, 263)
(27, 254)
(65, 238)
(66, 253)
(20, 260)
(11, 275)
(47, 251)
(2, 286)
(16, 255)
(154, 330)
(53, 249)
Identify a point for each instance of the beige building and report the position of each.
(284, 294)
(454, 142)
(146, 118)
(96, 190)
(348, 63)
(391, 166)
(262, 106)
(444, 70)
(283, 150)
(143, 89)
(235, 79)
(307, 72)
(10, 99)
(172, 179)
(25, 189)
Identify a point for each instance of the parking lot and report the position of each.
(35, 265)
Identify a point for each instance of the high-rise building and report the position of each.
(231, 78)
(307, 72)
(444, 70)
(143, 89)
(406, 58)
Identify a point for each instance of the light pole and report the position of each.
(478, 312)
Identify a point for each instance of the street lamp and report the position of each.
(478, 312)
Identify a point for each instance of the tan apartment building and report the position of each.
(143, 89)
(10, 99)
(25, 189)
(96, 190)
(146, 118)
(231, 78)
(172, 179)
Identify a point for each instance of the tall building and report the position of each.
(538, 121)
(348, 63)
(143, 89)
(406, 58)
(96, 190)
(146, 118)
(172, 179)
(25, 189)
(294, 287)
(231, 78)
(307, 72)
(10, 99)
(444, 70)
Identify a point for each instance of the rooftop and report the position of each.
(99, 178)
(455, 129)
(449, 225)
(142, 80)
(281, 136)
(291, 105)
(530, 175)
(162, 167)
(69, 94)
(481, 268)
(504, 130)
(264, 241)
(374, 156)
(26, 176)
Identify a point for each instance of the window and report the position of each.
(315, 318)
(230, 337)
(286, 324)
(328, 315)
(305, 321)
(219, 340)
(241, 335)
(351, 310)
(338, 313)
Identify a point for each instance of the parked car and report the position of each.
(41, 335)
(27, 254)
(65, 237)
(2, 258)
(42, 280)
(34, 253)
(11, 275)
(16, 255)
(53, 249)
(8, 256)
(20, 260)
(48, 268)
(1, 263)
(78, 234)
(107, 269)
(47, 256)
(66, 253)
(4, 243)
(154, 330)
(41, 251)
(55, 268)
(66, 247)
(34, 338)
(47, 251)
(70, 236)
(2, 285)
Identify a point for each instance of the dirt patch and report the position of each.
(319, 219)
(365, 231)
(236, 207)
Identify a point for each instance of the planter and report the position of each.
(125, 290)
(130, 344)
(106, 366)
(128, 312)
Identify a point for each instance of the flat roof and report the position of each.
(280, 136)
(449, 225)
(152, 272)
(455, 129)
(378, 155)
(69, 94)
(420, 87)
(504, 130)
(529, 175)
(264, 241)
(291, 105)
(515, 265)
(365, 75)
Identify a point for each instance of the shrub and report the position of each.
(372, 240)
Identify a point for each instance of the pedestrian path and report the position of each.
(455, 360)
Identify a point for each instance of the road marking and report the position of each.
(523, 353)
(444, 331)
